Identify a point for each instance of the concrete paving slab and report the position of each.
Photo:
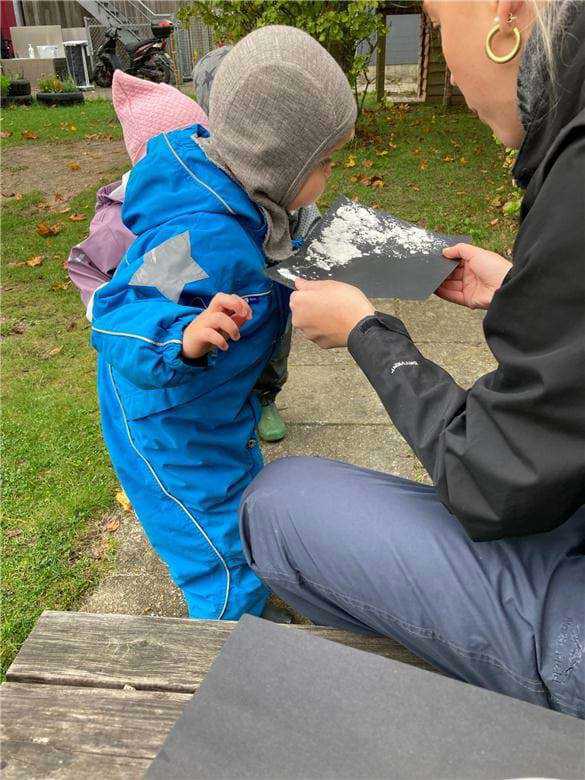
(334, 394)
(434, 321)
(368, 446)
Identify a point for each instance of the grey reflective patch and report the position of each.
(169, 267)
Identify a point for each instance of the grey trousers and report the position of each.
(365, 551)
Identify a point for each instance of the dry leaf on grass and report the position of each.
(19, 328)
(77, 217)
(368, 163)
(58, 196)
(350, 162)
(28, 135)
(18, 264)
(5, 133)
(45, 230)
(123, 501)
(112, 525)
(53, 352)
(18, 196)
(73, 166)
(60, 286)
(35, 261)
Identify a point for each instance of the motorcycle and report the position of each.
(148, 59)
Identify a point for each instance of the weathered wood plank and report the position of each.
(49, 730)
(29, 761)
(148, 653)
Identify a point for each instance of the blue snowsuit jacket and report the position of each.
(181, 434)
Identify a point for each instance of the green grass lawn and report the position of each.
(58, 124)
(440, 169)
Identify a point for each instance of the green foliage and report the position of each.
(54, 84)
(4, 84)
(339, 26)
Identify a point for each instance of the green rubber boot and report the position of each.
(271, 426)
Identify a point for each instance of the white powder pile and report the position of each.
(356, 230)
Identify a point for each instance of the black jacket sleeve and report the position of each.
(507, 456)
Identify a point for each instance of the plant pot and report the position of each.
(16, 100)
(60, 98)
(19, 87)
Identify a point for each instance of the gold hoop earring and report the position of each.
(504, 57)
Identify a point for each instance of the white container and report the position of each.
(48, 51)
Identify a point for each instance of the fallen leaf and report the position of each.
(16, 265)
(448, 158)
(53, 352)
(376, 205)
(463, 161)
(123, 501)
(77, 217)
(494, 222)
(5, 133)
(382, 153)
(60, 286)
(113, 525)
(18, 196)
(368, 163)
(72, 129)
(350, 162)
(377, 182)
(353, 178)
(58, 196)
(45, 230)
(28, 135)
(35, 261)
(20, 328)
(73, 166)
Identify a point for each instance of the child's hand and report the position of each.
(213, 327)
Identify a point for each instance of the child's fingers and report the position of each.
(211, 336)
(220, 321)
(231, 304)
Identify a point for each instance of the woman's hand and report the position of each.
(213, 327)
(479, 274)
(327, 312)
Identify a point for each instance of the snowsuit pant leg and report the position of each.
(216, 584)
(370, 552)
(274, 376)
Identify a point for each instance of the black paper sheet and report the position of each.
(382, 255)
(281, 703)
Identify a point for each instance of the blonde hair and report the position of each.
(550, 16)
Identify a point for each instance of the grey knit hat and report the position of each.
(204, 74)
(278, 104)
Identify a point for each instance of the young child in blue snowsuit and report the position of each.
(190, 319)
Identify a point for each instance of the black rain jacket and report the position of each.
(507, 456)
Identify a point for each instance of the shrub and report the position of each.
(341, 26)
(55, 84)
(4, 84)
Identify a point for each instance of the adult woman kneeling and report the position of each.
(483, 574)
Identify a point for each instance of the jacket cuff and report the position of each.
(376, 320)
(173, 351)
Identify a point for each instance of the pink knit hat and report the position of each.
(146, 109)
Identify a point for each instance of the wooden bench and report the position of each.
(94, 696)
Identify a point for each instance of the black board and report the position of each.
(281, 703)
(385, 257)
